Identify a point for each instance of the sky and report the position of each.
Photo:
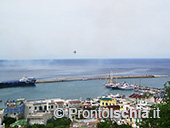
(53, 29)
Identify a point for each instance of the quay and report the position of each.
(98, 78)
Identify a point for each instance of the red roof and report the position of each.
(134, 95)
(76, 101)
(115, 107)
(59, 102)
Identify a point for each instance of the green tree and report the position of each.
(108, 123)
(50, 125)
(164, 120)
(35, 126)
(8, 121)
(59, 123)
(88, 99)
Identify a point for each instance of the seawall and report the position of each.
(98, 78)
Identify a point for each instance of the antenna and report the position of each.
(140, 82)
(116, 77)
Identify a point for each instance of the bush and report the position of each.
(59, 122)
(8, 121)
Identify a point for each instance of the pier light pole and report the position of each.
(140, 82)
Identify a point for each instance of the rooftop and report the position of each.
(134, 95)
(44, 101)
(75, 101)
(106, 99)
(59, 102)
(39, 115)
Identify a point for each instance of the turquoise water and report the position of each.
(10, 70)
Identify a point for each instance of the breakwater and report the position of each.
(98, 78)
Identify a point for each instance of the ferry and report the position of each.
(25, 81)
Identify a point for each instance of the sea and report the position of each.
(75, 68)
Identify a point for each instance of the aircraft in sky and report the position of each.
(75, 52)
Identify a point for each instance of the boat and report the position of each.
(25, 81)
(115, 87)
(126, 86)
(136, 89)
(111, 84)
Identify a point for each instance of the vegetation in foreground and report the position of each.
(52, 123)
(8, 121)
(110, 124)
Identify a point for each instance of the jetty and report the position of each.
(98, 78)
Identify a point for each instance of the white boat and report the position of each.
(126, 86)
(111, 84)
(28, 79)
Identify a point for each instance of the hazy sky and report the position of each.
(53, 29)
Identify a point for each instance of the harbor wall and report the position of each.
(98, 78)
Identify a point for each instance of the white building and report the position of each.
(42, 106)
(141, 104)
(39, 118)
(1, 116)
(72, 103)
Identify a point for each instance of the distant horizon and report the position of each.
(82, 59)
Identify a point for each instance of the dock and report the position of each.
(98, 78)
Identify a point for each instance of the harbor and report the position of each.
(36, 104)
(98, 78)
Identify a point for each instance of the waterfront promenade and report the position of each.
(98, 78)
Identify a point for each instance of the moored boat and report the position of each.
(25, 81)
(126, 86)
(115, 87)
(111, 84)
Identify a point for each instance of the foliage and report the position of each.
(59, 123)
(35, 126)
(50, 125)
(108, 123)
(88, 99)
(8, 121)
(164, 120)
(13, 127)
(53, 123)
